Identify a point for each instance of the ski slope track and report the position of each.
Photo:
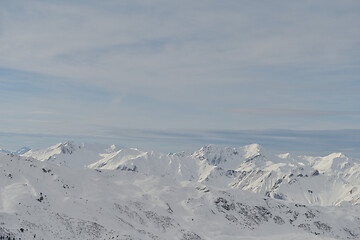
(92, 191)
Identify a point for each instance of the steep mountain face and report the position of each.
(43, 200)
(331, 180)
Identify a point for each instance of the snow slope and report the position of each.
(43, 200)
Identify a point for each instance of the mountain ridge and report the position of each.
(251, 168)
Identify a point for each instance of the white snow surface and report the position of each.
(92, 191)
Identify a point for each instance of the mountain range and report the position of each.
(94, 191)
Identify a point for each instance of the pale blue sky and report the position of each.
(97, 68)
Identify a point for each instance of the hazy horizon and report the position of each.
(281, 140)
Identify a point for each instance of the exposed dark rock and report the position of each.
(231, 218)
(279, 196)
(316, 173)
(309, 214)
(224, 204)
(278, 220)
(230, 173)
(305, 226)
(46, 170)
(125, 168)
(351, 233)
(191, 236)
(322, 226)
(252, 158)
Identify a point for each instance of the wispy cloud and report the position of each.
(292, 112)
(127, 41)
(178, 64)
(42, 112)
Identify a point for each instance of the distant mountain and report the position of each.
(20, 151)
(330, 180)
(71, 154)
(4, 151)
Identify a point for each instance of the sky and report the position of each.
(106, 70)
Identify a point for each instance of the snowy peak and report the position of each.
(51, 152)
(112, 148)
(68, 147)
(72, 154)
(334, 162)
(228, 157)
(215, 155)
(252, 150)
(118, 159)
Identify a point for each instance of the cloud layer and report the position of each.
(74, 67)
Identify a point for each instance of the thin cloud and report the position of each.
(291, 112)
(178, 64)
(86, 43)
(42, 112)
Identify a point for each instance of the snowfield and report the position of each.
(92, 191)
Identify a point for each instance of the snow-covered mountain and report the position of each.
(71, 154)
(91, 191)
(40, 200)
(20, 151)
(327, 180)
